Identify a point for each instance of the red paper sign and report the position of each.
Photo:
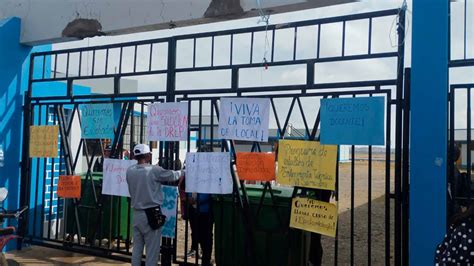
(256, 166)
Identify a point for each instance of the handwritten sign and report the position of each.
(353, 121)
(244, 119)
(98, 121)
(307, 164)
(208, 172)
(114, 179)
(256, 166)
(170, 200)
(168, 122)
(44, 141)
(314, 216)
(69, 186)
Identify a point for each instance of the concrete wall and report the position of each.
(85, 18)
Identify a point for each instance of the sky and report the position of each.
(384, 40)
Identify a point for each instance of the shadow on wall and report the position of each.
(14, 67)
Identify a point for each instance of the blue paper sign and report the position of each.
(98, 121)
(353, 121)
(168, 207)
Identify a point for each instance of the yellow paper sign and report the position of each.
(44, 141)
(307, 164)
(314, 216)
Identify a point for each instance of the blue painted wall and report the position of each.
(429, 121)
(14, 67)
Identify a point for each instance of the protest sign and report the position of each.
(98, 121)
(244, 119)
(69, 186)
(307, 164)
(167, 122)
(353, 121)
(114, 180)
(256, 166)
(44, 141)
(314, 216)
(170, 200)
(208, 172)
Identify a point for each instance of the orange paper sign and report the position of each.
(256, 166)
(69, 186)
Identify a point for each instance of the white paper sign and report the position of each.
(167, 122)
(208, 172)
(244, 119)
(114, 180)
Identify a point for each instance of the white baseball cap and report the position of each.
(141, 149)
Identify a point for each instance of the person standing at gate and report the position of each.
(144, 184)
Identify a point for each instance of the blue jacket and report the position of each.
(203, 201)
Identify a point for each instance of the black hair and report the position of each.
(139, 157)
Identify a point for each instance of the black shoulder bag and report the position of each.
(155, 217)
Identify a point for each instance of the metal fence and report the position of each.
(461, 62)
(372, 228)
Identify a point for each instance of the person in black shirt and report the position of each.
(99, 163)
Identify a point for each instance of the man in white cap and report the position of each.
(144, 183)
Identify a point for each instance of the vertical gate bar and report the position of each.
(186, 210)
(212, 124)
(44, 66)
(150, 62)
(452, 147)
(465, 29)
(469, 137)
(336, 239)
(93, 62)
(352, 201)
(194, 52)
(51, 187)
(387, 181)
(67, 65)
(142, 117)
(273, 45)
(343, 38)
(120, 60)
(132, 143)
(251, 46)
(200, 127)
(405, 173)
(369, 43)
(398, 138)
(231, 48)
(37, 178)
(295, 42)
(212, 51)
(55, 65)
(369, 210)
(80, 63)
(107, 61)
(61, 155)
(45, 165)
(135, 59)
(318, 44)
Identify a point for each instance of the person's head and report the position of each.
(177, 164)
(107, 150)
(456, 153)
(205, 148)
(142, 153)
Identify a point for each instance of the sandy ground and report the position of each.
(43, 256)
